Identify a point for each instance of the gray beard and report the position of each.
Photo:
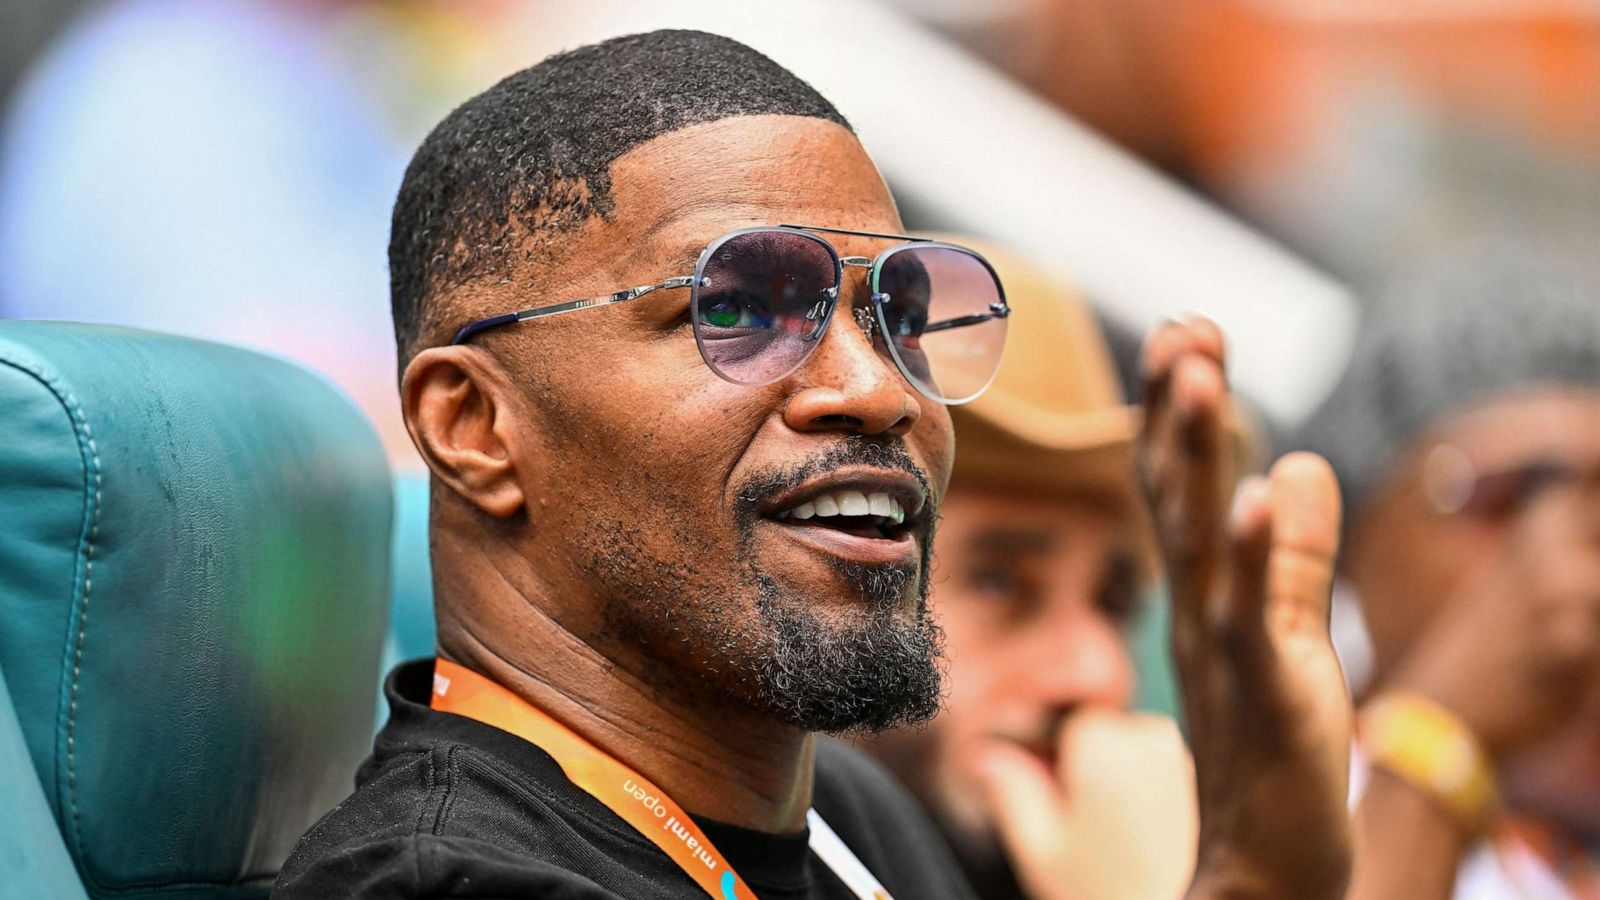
(876, 668)
(885, 673)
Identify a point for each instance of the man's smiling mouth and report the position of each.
(870, 515)
(867, 515)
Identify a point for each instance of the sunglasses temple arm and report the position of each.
(539, 312)
(961, 322)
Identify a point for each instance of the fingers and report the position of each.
(1161, 348)
(1250, 527)
(1305, 538)
(1025, 801)
(1130, 802)
(1208, 338)
(1170, 340)
(1186, 478)
(1204, 487)
(1097, 744)
(1166, 345)
(1283, 534)
(1183, 459)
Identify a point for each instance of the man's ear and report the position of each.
(456, 407)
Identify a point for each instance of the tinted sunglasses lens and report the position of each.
(944, 320)
(1500, 495)
(761, 301)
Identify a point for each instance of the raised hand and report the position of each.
(1265, 701)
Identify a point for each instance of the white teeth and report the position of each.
(853, 503)
(849, 503)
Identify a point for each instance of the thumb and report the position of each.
(1305, 537)
(1026, 804)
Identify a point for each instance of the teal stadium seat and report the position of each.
(194, 566)
(411, 625)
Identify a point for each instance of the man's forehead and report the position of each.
(680, 190)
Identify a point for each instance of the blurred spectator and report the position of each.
(226, 170)
(1036, 769)
(1466, 436)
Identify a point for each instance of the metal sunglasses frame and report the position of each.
(867, 320)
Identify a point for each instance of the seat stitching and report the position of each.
(88, 447)
(83, 617)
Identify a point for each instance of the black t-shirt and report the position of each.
(447, 806)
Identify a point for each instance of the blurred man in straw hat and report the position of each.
(1038, 772)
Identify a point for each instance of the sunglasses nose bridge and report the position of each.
(857, 355)
(865, 321)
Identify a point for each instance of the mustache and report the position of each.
(851, 450)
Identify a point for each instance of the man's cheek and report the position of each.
(935, 437)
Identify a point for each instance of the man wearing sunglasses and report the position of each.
(682, 389)
(1466, 433)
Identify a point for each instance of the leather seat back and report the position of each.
(193, 591)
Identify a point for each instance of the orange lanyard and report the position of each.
(630, 795)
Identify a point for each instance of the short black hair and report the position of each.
(533, 153)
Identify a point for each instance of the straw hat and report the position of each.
(1054, 419)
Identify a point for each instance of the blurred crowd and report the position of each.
(226, 168)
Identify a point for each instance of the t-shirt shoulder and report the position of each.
(410, 831)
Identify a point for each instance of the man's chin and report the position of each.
(865, 672)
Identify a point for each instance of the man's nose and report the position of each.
(1078, 658)
(848, 385)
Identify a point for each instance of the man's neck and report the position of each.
(715, 763)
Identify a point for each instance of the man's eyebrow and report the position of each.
(672, 232)
(1011, 541)
(684, 259)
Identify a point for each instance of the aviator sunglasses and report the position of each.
(760, 301)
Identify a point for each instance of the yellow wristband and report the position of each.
(1425, 745)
